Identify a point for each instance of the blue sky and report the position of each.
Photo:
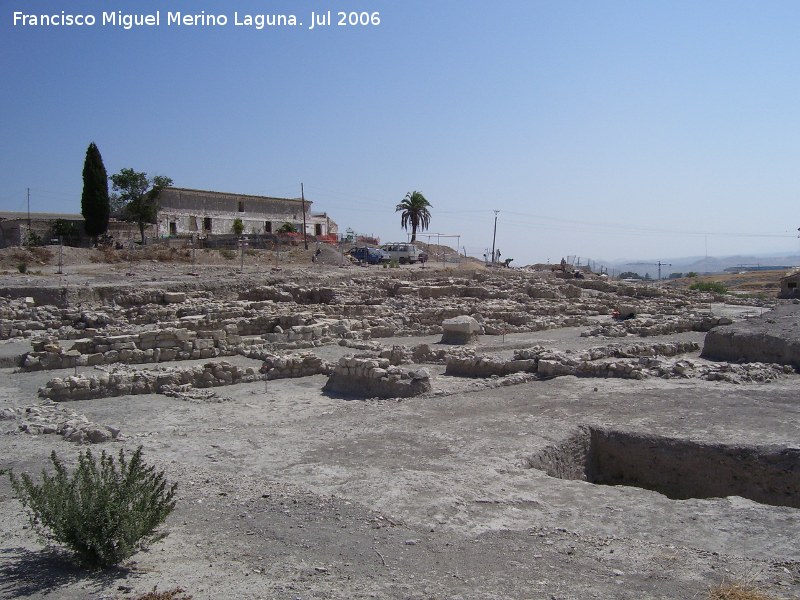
(602, 129)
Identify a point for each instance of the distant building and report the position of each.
(18, 228)
(182, 213)
(789, 286)
(185, 212)
(749, 269)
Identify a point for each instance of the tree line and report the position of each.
(133, 198)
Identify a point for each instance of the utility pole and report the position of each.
(660, 264)
(29, 215)
(303, 198)
(494, 236)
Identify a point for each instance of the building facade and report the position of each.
(187, 212)
(19, 229)
(789, 285)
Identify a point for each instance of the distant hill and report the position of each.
(701, 264)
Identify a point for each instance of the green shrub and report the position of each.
(33, 239)
(104, 512)
(709, 286)
(22, 267)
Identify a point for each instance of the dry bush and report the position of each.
(41, 254)
(108, 256)
(19, 255)
(737, 591)
(173, 255)
(176, 594)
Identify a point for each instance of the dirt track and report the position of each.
(287, 493)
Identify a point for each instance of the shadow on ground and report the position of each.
(25, 572)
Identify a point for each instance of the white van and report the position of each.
(404, 252)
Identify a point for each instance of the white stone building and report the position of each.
(185, 212)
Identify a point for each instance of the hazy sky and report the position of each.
(603, 129)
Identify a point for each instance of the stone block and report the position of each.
(460, 330)
(95, 359)
(174, 297)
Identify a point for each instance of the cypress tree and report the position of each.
(95, 206)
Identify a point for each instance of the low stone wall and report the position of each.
(549, 363)
(21, 317)
(136, 348)
(143, 297)
(290, 293)
(642, 349)
(375, 378)
(732, 373)
(487, 366)
(302, 364)
(663, 325)
(123, 382)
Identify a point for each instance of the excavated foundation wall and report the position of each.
(677, 468)
(774, 337)
(366, 377)
(123, 382)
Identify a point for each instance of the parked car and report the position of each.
(372, 256)
(404, 253)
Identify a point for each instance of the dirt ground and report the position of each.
(287, 493)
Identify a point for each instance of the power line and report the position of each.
(645, 229)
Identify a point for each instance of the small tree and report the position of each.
(66, 230)
(95, 206)
(134, 197)
(287, 228)
(238, 226)
(101, 512)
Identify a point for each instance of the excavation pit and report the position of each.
(679, 469)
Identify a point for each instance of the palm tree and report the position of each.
(415, 211)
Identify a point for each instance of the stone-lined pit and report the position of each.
(679, 469)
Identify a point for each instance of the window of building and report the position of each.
(267, 226)
(207, 224)
(791, 284)
(173, 228)
(241, 205)
(318, 229)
